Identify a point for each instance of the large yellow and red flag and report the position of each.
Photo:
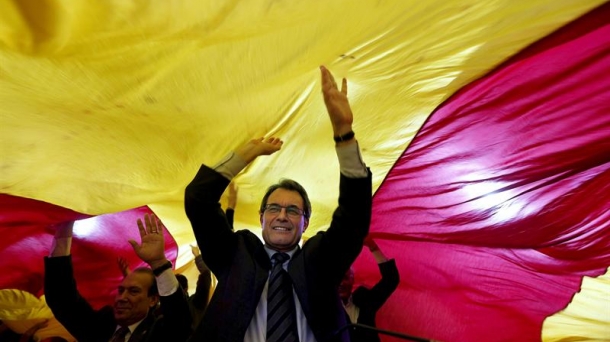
(486, 125)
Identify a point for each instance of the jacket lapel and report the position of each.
(139, 335)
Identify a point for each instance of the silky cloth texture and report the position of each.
(96, 245)
(113, 105)
(501, 204)
(20, 310)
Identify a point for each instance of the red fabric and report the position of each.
(95, 246)
(502, 202)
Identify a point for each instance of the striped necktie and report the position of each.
(281, 314)
(119, 335)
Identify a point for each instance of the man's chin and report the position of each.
(120, 314)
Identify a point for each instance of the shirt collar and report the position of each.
(270, 251)
(132, 327)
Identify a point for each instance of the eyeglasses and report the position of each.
(291, 210)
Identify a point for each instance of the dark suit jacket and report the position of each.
(89, 325)
(230, 213)
(370, 301)
(239, 261)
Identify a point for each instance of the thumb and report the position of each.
(134, 244)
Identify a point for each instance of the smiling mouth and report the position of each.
(281, 229)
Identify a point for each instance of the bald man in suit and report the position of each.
(131, 317)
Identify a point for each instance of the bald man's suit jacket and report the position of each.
(90, 325)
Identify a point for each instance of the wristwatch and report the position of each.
(157, 271)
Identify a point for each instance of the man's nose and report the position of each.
(283, 214)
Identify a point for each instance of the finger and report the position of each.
(141, 228)
(159, 225)
(150, 228)
(326, 81)
(330, 78)
(344, 86)
(273, 140)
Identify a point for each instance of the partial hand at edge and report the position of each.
(195, 250)
(375, 250)
(123, 266)
(63, 229)
(62, 239)
(371, 244)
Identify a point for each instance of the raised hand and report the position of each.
(123, 266)
(232, 197)
(371, 244)
(375, 250)
(63, 229)
(259, 147)
(337, 105)
(195, 250)
(62, 239)
(152, 249)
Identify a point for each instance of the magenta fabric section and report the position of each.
(501, 204)
(27, 238)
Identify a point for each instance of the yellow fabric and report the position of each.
(587, 318)
(20, 305)
(110, 105)
(21, 310)
(113, 104)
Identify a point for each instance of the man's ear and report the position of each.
(260, 215)
(306, 224)
(154, 301)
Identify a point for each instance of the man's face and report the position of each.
(282, 230)
(347, 285)
(132, 302)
